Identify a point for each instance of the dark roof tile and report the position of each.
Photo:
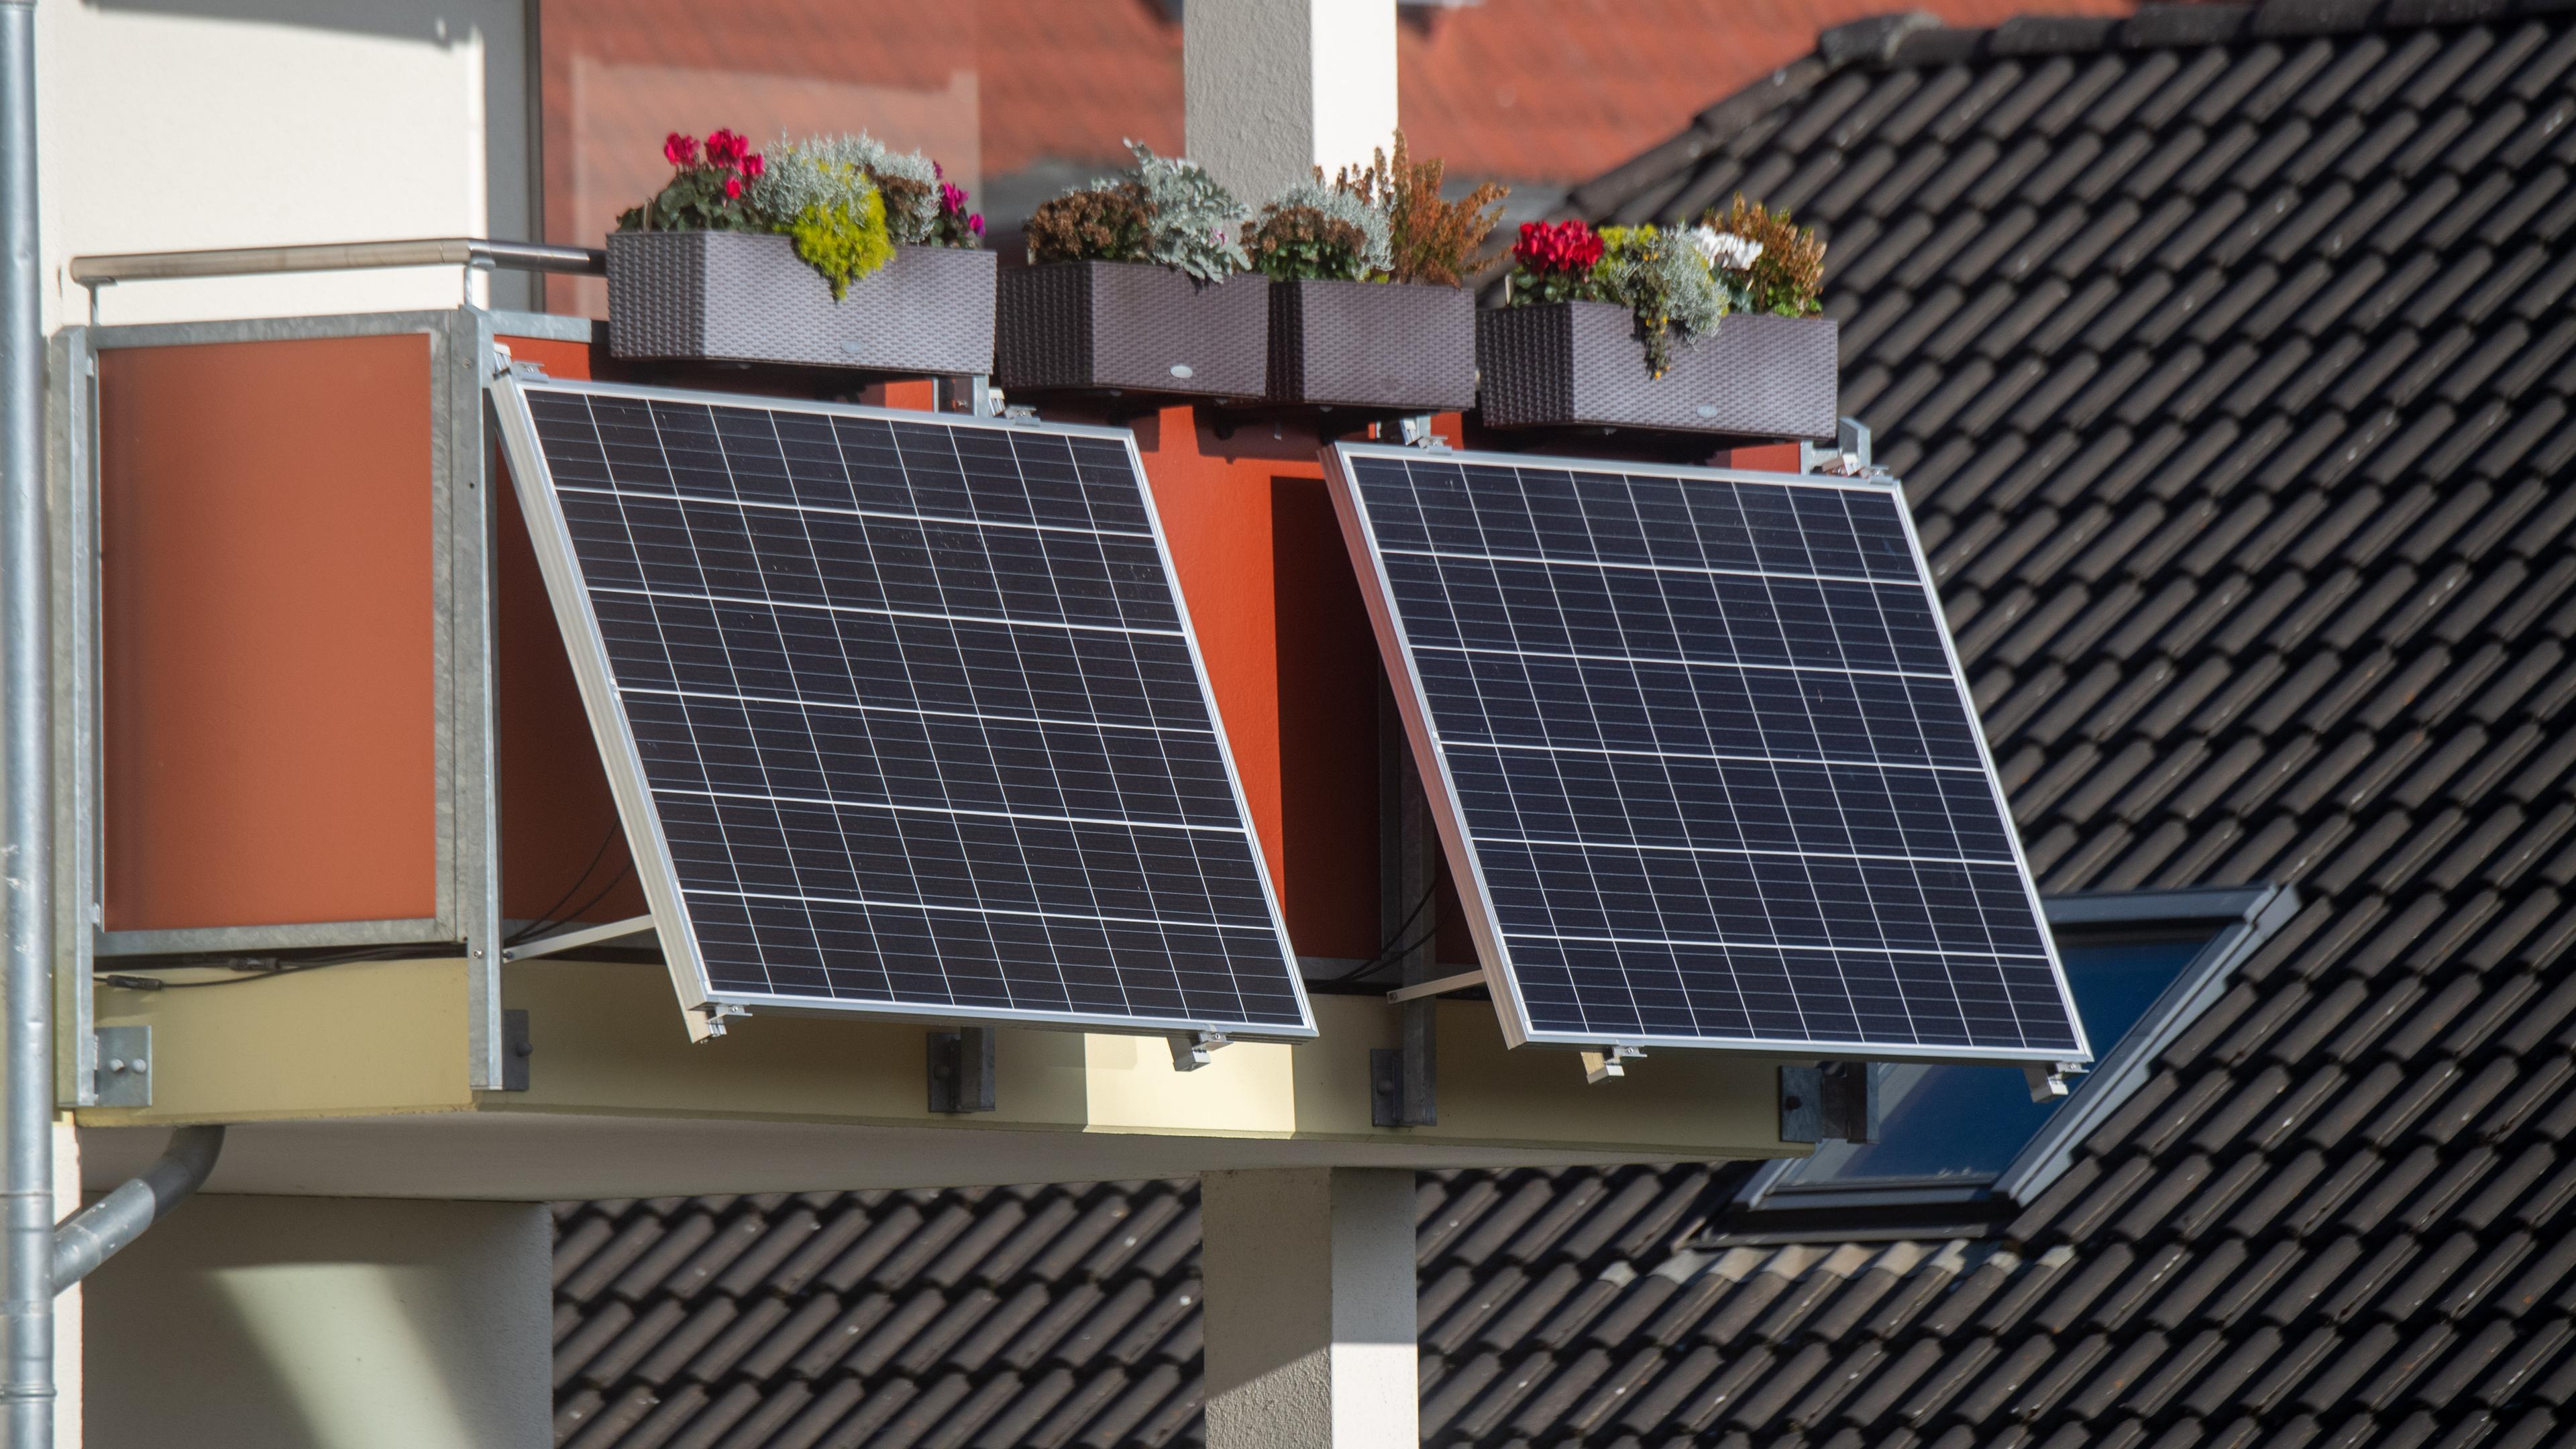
(2230, 366)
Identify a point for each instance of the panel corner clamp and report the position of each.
(1191, 1050)
(1607, 1063)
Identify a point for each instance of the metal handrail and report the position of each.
(458, 251)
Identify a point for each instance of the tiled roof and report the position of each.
(2229, 356)
(1554, 90)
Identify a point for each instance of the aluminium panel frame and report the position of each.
(466, 912)
(704, 1006)
(1395, 646)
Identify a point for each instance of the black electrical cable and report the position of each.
(547, 919)
(250, 968)
(1396, 946)
(599, 895)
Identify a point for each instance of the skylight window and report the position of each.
(1966, 1142)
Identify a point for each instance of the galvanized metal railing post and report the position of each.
(26, 815)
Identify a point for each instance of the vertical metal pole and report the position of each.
(1408, 866)
(26, 705)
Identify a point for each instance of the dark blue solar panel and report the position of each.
(917, 713)
(1713, 769)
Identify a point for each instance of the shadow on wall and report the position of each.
(323, 1323)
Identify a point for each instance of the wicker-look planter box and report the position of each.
(1131, 327)
(1373, 345)
(732, 296)
(1581, 364)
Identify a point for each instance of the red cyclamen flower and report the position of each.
(952, 197)
(733, 188)
(752, 166)
(975, 223)
(680, 150)
(727, 148)
(1568, 246)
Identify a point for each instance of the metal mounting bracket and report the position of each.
(1441, 987)
(970, 393)
(562, 941)
(518, 1043)
(2048, 1080)
(1832, 1100)
(1849, 452)
(1191, 1049)
(716, 1013)
(1414, 430)
(961, 1070)
(1609, 1062)
(124, 1066)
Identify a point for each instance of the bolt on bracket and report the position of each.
(124, 1066)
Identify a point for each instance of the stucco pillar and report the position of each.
(324, 1323)
(1310, 1309)
(1277, 87)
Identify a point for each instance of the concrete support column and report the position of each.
(1275, 88)
(325, 1323)
(1310, 1309)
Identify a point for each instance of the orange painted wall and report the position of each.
(1276, 604)
(269, 650)
(267, 635)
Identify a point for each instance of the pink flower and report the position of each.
(936, 174)
(975, 223)
(727, 148)
(952, 197)
(752, 166)
(680, 150)
(733, 188)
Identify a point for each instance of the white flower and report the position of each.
(1725, 249)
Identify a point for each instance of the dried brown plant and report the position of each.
(1431, 240)
(1107, 225)
(1789, 277)
(1296, 243)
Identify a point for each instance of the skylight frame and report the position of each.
(2239, 920)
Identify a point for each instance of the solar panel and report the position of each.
(1703, 759)
(902, 710)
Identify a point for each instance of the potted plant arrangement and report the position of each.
(831, 251)
(1366, 303)
(1137, 283)
(1713, 329)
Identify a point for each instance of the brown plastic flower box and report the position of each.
(1131, 327)
(1373, 345)
(731, 296)
(1581, 364)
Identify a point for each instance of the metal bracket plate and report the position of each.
(1832, 1101)
(125, 1066)
(517, 1045)
(961, 1070)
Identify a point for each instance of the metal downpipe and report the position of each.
(26, 817)
(96, 1233)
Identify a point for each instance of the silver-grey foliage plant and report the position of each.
(1669, 270)
(1339, 205)
(821, 161)
(1197, 225)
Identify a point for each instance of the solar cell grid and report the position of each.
(1708, 766)
(912, 708)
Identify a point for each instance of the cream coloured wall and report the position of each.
(172, 124)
